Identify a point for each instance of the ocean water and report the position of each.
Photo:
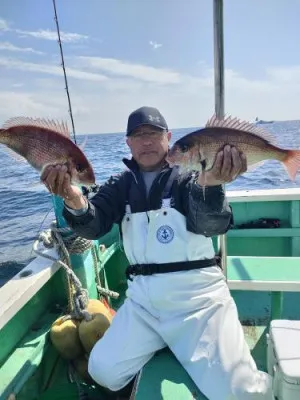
(26, 208)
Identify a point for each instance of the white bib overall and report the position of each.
(160, 236)
(192, 312)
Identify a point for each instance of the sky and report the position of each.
(123, 54)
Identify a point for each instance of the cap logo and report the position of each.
(152, 119)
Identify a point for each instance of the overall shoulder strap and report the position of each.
(128, 179)
(168, 186)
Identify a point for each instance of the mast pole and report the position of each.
(219, 97)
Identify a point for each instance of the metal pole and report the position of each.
(219, 98)
(219, 58)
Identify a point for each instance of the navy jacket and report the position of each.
(210, 215)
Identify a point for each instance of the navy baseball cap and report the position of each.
(145, 116)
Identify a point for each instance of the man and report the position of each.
(177, 296)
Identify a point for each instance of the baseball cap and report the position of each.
(145, 116)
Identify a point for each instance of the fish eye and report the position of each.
(79, 168)
(184, 148)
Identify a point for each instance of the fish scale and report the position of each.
(43, 142)
(198, 150)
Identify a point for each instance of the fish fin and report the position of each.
(59, 127)
(13, 154)
(256, 165)
(292, 163)
(235, 123)
(82, 145)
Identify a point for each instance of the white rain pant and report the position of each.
(192, 312)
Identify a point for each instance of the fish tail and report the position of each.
(292, 163)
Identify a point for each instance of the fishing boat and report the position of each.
(262, 122)
(260, 259)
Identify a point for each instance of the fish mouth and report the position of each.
(169, 160)
(174, 156)
(86, 178)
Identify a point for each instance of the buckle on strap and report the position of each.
(139, 269)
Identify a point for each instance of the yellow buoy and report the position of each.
(96, 306)
(65, 338)
(91, 331)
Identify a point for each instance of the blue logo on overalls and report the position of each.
(165, 234)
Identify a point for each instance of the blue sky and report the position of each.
(121, 54)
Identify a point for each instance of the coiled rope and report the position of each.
(77, 296)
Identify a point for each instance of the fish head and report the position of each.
(186, 153)
(82, 171)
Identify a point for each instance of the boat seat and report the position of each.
(280, 274)
(274, 274)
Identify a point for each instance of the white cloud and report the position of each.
(52, 35)
(287, 75)
(11, 47)
(105, 91)
(45, 34)
(155, 45)
(25, 104)
(50, 69)
(3, 25)
(135, 71)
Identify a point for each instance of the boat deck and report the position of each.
(167, 379)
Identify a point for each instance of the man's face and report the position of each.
(149, 146)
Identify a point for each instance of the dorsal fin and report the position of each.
(59, 127)
(82, 145)
(235, 123)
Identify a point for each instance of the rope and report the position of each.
(72, 244)
(95, 262)
(102, 291)
(78, 296)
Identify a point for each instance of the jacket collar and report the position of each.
(134, 167)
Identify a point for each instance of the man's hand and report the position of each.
(228, 165)
(58, 181)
